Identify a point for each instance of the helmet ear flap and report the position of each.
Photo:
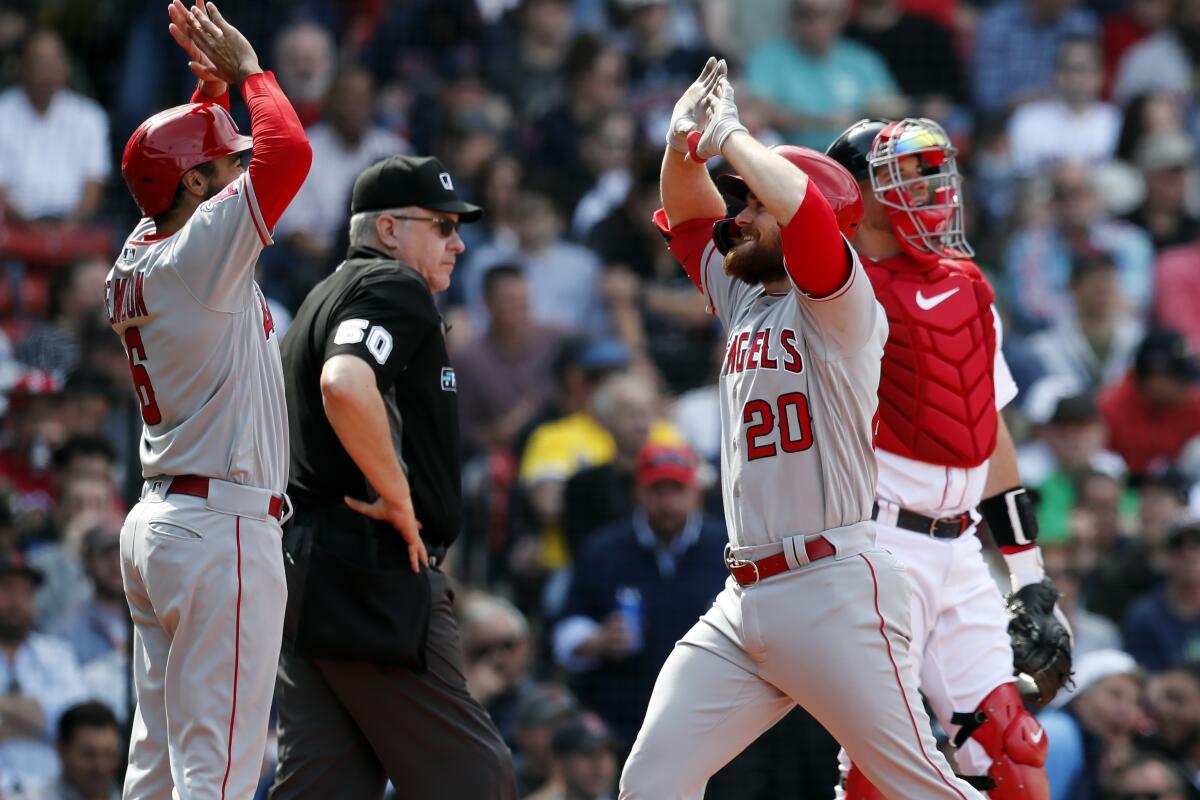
(725, 233)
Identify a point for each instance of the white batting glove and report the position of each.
(723, 122)
(683, 118)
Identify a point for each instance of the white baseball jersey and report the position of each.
(799, 390)
(202, 348)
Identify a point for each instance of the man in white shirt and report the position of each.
(39, 679)
(1074, 124)
(343, 146)
(54, 154)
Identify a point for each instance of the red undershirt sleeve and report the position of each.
(282, 154)
(222, 99)
(813, 249)
(688, 242)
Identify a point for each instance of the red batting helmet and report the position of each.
(170, 143)
(835, 182)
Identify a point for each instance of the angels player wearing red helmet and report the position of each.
(944, 451)
(814, 612)
(201, 557)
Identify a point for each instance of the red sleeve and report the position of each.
(813, 249)
(222, 99)
(687, 243)
(282, 154)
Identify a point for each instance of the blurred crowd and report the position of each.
(587, 362)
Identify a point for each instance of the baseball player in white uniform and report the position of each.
(943, 451)
(814, 612)
(200, 554)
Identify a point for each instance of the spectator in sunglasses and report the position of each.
(496, 652)
(1147, 777)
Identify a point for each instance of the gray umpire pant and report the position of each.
(346, 727)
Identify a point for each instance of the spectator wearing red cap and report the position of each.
(648, 578)
(34, 428)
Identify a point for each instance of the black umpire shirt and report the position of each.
(381, 311)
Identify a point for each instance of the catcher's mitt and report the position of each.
(1041, 642)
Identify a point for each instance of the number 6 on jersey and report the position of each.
(141, 377)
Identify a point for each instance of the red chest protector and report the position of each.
(937, 399)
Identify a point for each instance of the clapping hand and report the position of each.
(723, 122)
(218, 51)
(683, 118)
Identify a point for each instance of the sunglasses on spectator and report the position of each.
(446, 226)
(485, 649)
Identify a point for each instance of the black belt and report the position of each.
(937, 527)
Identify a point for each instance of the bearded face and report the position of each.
(757, 256)
(16, 608)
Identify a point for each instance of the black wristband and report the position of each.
(1011, 518)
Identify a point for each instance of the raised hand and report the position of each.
(200, 64)
(683, 118)
(723, 121)
(225, 54)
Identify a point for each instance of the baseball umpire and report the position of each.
(371, 684)
(814, 612)
(204, 360)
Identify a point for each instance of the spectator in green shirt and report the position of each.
(816, 82)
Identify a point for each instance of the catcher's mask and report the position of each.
(914, 174)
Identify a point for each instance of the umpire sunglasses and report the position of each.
(445, 226)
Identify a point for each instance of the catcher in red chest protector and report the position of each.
(946, 459)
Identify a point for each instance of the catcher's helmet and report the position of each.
(913, 173)
(853, 148)
(836, 184)
(170, 143)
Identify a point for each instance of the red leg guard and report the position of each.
(1016, 744)
(859, 788)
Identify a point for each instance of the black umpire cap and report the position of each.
(400, 181)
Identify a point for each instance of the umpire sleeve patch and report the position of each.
(378, 340)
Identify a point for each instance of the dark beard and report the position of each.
(13, 633)
(756, 261)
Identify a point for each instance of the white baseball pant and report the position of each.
(832, 636)
(961, 650)
(206, 588)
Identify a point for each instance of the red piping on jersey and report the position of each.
(237, 643)
(282, 154)
(896, 670)
(153, 238)
(262, 235)
(838, 293)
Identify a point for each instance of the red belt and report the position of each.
(748, 573)
(197, 486)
